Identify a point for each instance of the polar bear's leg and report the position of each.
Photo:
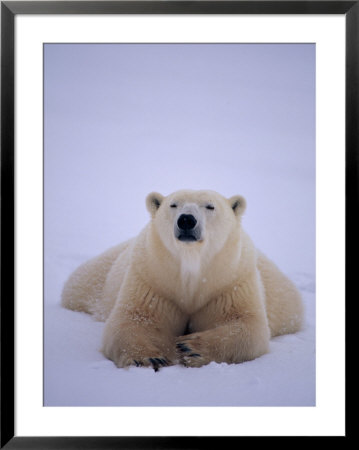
(283, 300)
(141, 328)
(232, 328)
(84, 287)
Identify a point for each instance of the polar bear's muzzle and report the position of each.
(187, 228)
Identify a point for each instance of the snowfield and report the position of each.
(77, 374)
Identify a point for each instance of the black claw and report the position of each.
(195, 354)
(154, 363)
(160, 361)
(183, 347)
(164, 361)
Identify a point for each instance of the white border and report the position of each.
(327, 418)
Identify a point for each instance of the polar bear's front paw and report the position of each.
(140, 357)
(189, 351)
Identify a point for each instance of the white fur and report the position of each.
(190, 272)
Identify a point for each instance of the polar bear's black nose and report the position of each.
(186, 222)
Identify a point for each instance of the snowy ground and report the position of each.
(124, 120)
(77, 374)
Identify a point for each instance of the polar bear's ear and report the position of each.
(153, 202)
(238, 204)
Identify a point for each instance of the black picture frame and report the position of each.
(9, 10)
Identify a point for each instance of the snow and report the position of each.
(77, 374)
(124, 120)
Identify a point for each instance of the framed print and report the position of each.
(247, 112)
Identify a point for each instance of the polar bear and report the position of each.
(191, 288)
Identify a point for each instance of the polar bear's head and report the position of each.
(191, 221)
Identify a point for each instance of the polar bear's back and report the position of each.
(283, 301)
(84, 289)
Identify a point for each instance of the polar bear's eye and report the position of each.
(173, 205)
(209, 207)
